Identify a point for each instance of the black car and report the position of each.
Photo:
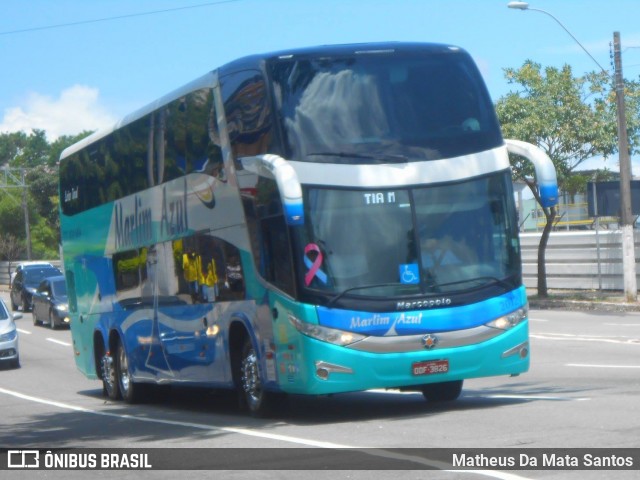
(50, 304)
(26, 283)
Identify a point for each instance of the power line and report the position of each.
(119, 17)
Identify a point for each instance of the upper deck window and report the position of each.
(407, 106)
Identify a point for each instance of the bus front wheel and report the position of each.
(253, 397)
(442, 392)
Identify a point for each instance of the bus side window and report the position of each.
(232, 286)
(207, 269)
(248, 113)
(127, 274)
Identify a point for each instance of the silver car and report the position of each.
(9, 353)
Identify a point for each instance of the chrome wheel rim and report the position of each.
(251, 379)
(124, 371)
(108, 373)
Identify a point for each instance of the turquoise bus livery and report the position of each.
(313, 221)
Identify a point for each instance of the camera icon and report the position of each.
(23, 459)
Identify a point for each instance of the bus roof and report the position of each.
(254, 61)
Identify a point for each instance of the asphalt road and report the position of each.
(583, 391)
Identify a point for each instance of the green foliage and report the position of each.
(22, 150)
(43, 188)
(577, 182)
(44, 240)
(11, 147)
(571, 118)
(40, 159)
(11, 215)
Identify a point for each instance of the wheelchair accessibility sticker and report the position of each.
(409, 273)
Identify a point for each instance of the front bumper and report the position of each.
(316, 367)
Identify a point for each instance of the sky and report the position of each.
(74, 65)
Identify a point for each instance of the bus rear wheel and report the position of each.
(110, 387)
(132, 392)
(442, 392)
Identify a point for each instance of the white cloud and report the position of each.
(75, 110)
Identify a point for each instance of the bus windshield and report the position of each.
(438, 239)
(383, 107)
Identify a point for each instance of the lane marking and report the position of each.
(271, 436)
(536, 397)
(584, 365)
(59, 342)
(584, 338)
(514, 396)
(26, 332)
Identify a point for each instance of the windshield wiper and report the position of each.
(379, 157)
(490, 280)
(333, 300)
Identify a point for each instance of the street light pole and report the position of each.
(626, 218)
(525, 6)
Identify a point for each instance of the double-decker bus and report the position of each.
(313, 221)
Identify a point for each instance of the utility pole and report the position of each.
(25, 209)
(626, 217)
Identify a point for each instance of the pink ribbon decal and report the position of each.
(314, 267)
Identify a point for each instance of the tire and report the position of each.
(442, 392)
(130, 391)
(14, 305)
(36, 322)
(16, 363)
(25, 305)
(52, 321)
(252, 397)
(110, 384)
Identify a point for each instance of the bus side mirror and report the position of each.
(276, 167)
(545, 171)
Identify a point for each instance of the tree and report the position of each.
(43, 189)
(11, 146)
(571, 118)
(40, 159)
(30, 151)
(577, 181)
(12, 216)
(10, 249)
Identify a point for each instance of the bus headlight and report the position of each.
(510, 320)
(325, 334)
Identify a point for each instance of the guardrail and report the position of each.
(578, 259)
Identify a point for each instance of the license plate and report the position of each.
(431, 367)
